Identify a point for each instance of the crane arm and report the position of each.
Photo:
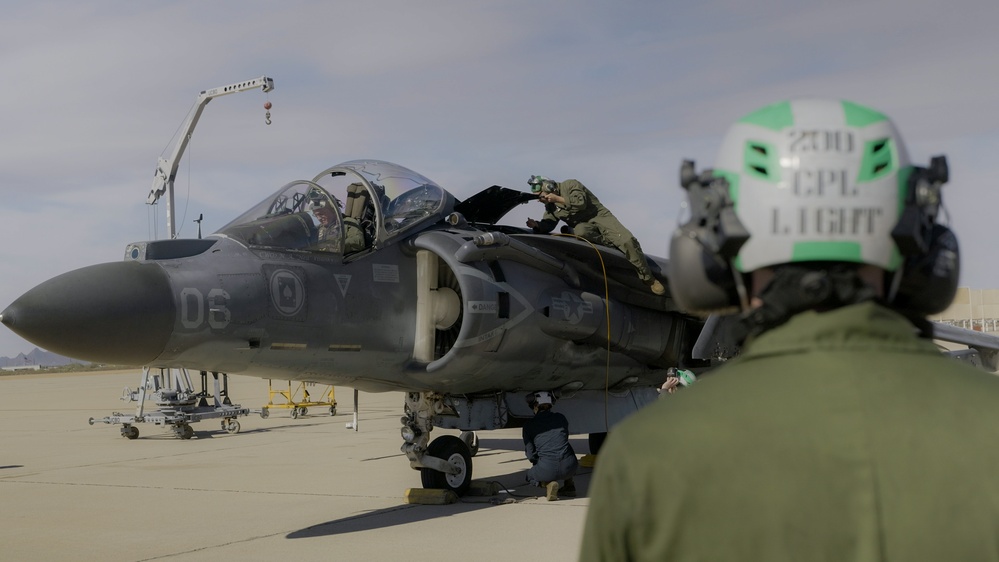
(166, 168)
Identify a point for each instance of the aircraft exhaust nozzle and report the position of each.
(133, 302)
(648, 336)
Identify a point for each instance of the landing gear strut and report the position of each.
(447, 461)
(472, 440)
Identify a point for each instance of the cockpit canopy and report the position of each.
(348, 208)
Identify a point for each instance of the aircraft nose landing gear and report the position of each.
(455, 453)
(444, 463)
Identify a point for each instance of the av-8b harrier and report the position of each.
(374, 277)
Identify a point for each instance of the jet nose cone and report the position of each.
(119, 313)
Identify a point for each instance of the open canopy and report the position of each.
(350, 207)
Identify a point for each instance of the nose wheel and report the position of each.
(444, 463)
(458, 460)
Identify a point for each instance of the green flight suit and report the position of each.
(837, 436)
(353, 235)
(589, 219)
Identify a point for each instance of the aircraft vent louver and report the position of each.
(445, 339)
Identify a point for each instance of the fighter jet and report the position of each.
(372, 276)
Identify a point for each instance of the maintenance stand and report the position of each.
(181, 406)
(299, 406)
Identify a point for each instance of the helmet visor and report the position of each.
(535, 183)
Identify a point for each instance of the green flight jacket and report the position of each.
(581, 205)
(837, 436)
(589, 219)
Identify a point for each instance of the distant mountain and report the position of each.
(38, 357)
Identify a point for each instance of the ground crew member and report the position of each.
(570, 201)
(676, 378)
(546, 444)
(839, 433)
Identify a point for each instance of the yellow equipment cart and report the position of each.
(299, 398)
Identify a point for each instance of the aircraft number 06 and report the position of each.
(193, 310)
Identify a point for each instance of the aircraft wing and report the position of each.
(982, 351)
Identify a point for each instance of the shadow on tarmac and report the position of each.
(514, 490)
(388, 517)
(153, 431)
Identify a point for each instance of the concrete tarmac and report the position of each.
(280, 489)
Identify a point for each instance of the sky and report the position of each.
(469, 93)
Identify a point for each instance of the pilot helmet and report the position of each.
(541, 183)
(320, 199)
(317, 198)
(808, 180)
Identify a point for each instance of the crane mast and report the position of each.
(166, 168)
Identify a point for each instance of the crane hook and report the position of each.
(267, 114)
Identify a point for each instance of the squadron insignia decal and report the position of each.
(287, 292)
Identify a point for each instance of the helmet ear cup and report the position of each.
(929, 280)
(699, 279)
(702, 279)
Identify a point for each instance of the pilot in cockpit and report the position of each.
(328, 235)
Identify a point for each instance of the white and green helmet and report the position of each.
(815, 180)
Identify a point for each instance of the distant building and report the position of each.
(22, 368)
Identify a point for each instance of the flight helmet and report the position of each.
(541, 183)
(543, 397)
(805, 181)
(317, 198)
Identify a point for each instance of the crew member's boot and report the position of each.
(551, 491)
(569, 488)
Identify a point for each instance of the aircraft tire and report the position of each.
(130, 432)
(455, 452)
(596, 440)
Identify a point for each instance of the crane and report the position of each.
(166, 168)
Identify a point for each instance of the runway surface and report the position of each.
(280, 489)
